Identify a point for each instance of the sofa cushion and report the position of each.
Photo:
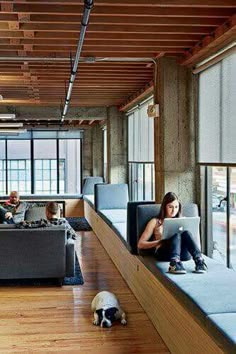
(35, 213)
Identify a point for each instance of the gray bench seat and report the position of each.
(90, 199)
(206, 296)
(111, 204)
(120, 229)
(112, 216)
(209, 297)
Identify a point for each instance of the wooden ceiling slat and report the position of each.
(112, 28)
(114, 20)
(111, 36)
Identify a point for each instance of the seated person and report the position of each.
(52, 211)
(13, 210)
(180, 247)
(5, 216)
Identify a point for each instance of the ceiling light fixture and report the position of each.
(11, 125)
(7, 116)
(12, 131)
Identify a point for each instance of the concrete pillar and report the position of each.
(97, 150)
(116, 146)
(175, 165)
(87, 167)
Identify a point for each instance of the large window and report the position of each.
(40, 166)
(141, 153)
(217, 151)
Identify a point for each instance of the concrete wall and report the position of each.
(176, 135)
(117, 146)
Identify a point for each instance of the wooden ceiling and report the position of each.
(117, 29)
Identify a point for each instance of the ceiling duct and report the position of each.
(88, 4)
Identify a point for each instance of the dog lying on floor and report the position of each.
(106, 310)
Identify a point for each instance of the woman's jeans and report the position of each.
(179, 246)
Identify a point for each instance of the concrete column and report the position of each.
(97, 151)
(87, 153)
(175, 165)
(117, 146)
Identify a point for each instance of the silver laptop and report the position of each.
(174, 225)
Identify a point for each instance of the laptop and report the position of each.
(174, 225)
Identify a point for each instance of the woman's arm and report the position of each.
(144, 242)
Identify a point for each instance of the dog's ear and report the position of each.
(111, 313)
(100, 316)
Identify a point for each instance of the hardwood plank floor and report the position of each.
(59, 320)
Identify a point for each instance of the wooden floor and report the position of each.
(59, 320)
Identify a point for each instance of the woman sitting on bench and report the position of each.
(179, 247)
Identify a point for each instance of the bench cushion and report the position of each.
(209, 291)
(90, 199)
(120, 228)
(111, 196)
(224, 323)
(89, 183)
(112, 216)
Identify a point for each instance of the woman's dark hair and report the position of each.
(169, 198)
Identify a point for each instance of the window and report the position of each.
(36, 165)
(141, 153)
(105, 154)
(222, 214)
(217, 151)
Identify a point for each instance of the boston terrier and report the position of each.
(106, 310)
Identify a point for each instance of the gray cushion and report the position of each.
(114, 215)
(111, 196)
(90, 199)
(212, 292)
(132, 223)
(35, 213)
(120, 228)
(88, 184)
(190, 209)
(224, 323)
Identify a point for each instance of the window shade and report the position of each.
(141, 135)
(217, 113)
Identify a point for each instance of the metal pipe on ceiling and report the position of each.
(88, 5)
(81, 59)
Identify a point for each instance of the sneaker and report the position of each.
(176, 267)
(200, 266)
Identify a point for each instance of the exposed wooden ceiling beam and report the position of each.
(224, 35)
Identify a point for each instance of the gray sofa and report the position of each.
(36, 253)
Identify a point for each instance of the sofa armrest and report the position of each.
(70, 258)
